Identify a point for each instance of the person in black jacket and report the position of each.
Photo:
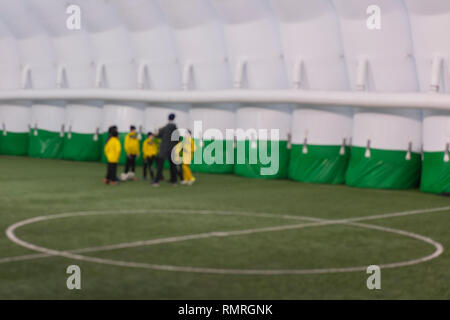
(169, 139)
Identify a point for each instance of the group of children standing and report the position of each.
(150, 149)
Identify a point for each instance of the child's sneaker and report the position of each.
(105, 181)
(191, 182)
(184, 182)
(113, 183)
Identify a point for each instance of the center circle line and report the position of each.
(319, 222)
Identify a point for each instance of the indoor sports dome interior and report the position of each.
(357, 104)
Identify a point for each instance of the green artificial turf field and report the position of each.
(239, 231)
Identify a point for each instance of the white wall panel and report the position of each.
(157, 63)
(203, 57)
(314, 59)
(387, 54)
(256, 59)
(430, 21)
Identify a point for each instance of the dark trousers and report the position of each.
(180, 172)
(148, 162)
(130, 164)
(160, 167)
(111, 172)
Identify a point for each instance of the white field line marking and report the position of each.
(439, 250)
(437, 245)
(197, 236)
(141, 243)
(24, 257)
(379, 216)
(319, 222)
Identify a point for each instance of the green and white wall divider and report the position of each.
(256, 61)
(321, 139)
(386, 151)
(204, 68)
(75, 70)
(436, 161)
(215, 147)
(320, 135)
(262, 141)
(386, 143)
(47, 133)
(14, 138)
(14, 115)
(82, 141)
(432, 52)
(116, 68)
(47, 117)
(38, 72)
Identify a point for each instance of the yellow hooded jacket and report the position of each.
(112, 150)
(185, 150)
(149, 148)
(132, 144)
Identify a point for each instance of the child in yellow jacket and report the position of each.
(112, 153)
(149, 151)
(132, 149)
(188, 148)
